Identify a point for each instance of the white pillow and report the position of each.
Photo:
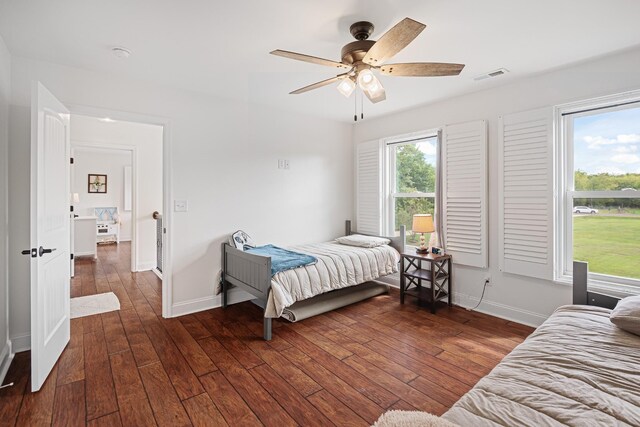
(363, 241)
(626, 315)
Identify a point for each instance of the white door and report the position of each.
(50, 239)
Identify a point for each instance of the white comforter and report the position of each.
(577, 369)
(338, 266)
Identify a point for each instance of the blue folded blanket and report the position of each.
(282, 259)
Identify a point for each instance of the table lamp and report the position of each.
(422, 223)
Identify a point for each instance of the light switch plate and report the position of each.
(180, 206)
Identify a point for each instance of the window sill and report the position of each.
(602, 286)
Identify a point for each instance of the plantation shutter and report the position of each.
(526, 193)
(464, 198)
(369, 188)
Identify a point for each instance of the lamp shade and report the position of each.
(423, 223)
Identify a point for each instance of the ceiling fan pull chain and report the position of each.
(355, 107)
(362, 106)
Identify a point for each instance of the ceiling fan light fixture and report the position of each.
(346, 87)
(375, 88)
(366, 78)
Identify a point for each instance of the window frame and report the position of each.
(566, 193)
(389, 175)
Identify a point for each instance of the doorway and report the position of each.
(117, 183)
(132, 292)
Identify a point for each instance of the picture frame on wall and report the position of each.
(97, 183)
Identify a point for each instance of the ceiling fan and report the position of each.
(361, 57)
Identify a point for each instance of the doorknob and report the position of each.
(33, 252)
(42, 251)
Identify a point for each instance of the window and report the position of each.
(601, 194)
(412, 182)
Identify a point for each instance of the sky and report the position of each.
(608, 142)
(428, 148)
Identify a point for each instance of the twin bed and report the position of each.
(576, 369)
(342, 275)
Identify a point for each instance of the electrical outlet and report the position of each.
(488, 281)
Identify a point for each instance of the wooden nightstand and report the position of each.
(426, 277)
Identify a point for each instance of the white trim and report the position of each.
(502, 311)
(611, 194)
(78, 254)
(6, 356)
(235, 295)
(167, 186)
(156, 272)
(599, 102)
(21, 343)
(146, 266)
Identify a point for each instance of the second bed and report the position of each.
(342, 275)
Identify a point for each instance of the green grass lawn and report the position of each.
(611, 244)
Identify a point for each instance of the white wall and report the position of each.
(224, 162)
(5, 93)
(520, 298)
(103, 162)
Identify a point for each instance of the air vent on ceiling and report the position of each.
(494, 73)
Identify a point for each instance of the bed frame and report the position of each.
(582, 296)
(252, 273)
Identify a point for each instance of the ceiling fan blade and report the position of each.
(422, 69)
(318, 84)
(380, 96)
(312, 59)
(393, 41)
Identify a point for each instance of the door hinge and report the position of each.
(71, 208)
(71, 159)
(71, 256)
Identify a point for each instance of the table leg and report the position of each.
(433, 288)
(450, 282)
(402, 280)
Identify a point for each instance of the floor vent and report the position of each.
(494, 73)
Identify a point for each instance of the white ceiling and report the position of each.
(222, 48)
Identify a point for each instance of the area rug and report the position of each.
(411, 419)
(94, 304)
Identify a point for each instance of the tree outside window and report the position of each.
(413, 183)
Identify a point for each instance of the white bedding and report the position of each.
(339, 266)
(577, 369)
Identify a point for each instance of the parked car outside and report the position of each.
(584, 210)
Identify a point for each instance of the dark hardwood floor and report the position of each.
(346, 367)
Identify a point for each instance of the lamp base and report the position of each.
(422, 251)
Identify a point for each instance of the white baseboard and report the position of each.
(21, 343)
(6, 356)
(207, 303)
(157, 273)
(503, 311)
(77, 254)
(145, 266)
